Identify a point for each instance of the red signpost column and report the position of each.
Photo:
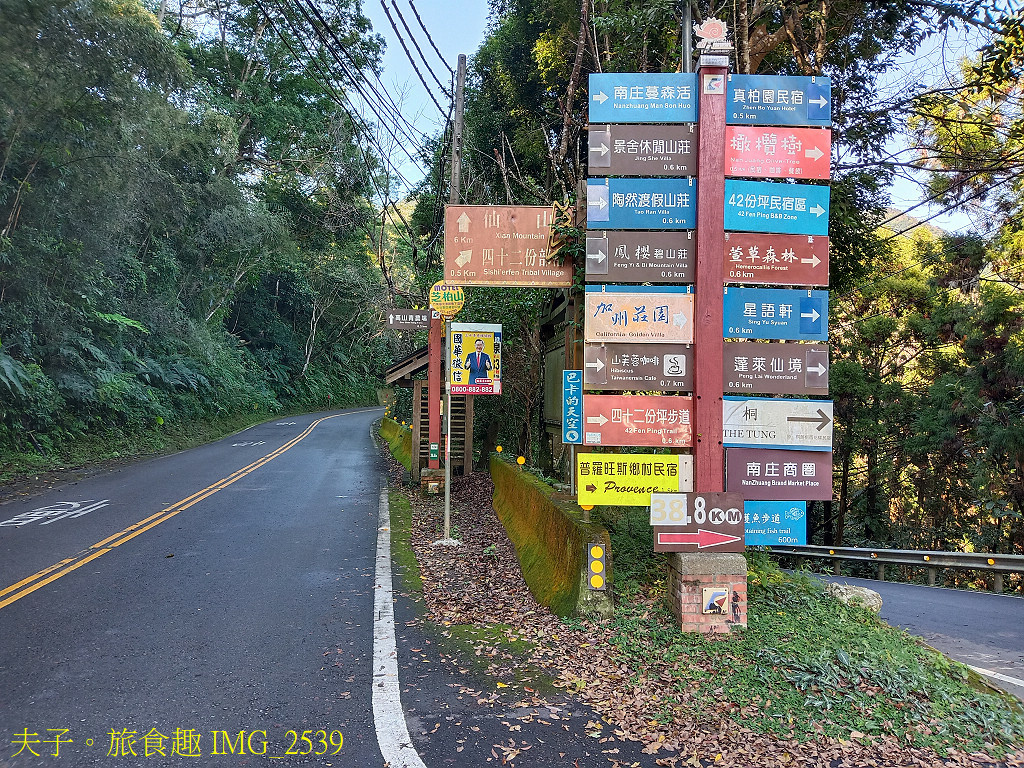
(709, 456)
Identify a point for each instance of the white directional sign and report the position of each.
(777, 423)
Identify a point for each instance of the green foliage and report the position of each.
(804, 653)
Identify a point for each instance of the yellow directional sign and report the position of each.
(629, 479)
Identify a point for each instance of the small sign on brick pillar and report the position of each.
(708, 592)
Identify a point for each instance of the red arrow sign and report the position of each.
(701, 538)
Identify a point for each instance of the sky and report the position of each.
(455, 26)
(458, 26)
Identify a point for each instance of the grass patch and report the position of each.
(402, 553)
(809, 665)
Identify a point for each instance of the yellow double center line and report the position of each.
(42, 578)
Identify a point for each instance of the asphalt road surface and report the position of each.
(982, 630)
(221, 590)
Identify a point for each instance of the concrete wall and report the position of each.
(399, 440)
(551, 541)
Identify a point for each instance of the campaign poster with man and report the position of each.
(474, 359)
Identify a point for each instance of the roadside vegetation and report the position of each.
(810, 681)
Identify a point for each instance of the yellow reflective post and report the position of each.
(597, 577)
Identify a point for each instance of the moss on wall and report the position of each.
(399, 441)
(551, 541)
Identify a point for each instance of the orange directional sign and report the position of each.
(648, 420)
(501, 245)
(765, 258)
(777, 152)
(661, 314)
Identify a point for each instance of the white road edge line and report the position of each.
(998, 676)
(388, 717)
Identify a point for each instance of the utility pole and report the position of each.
(686, 37)
(453, 199)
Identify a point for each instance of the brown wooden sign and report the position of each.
(761, 257)
(640, 257)
(775, 368)
(638, 367)
(761, 474)
(643, 150)
(692, 522)
(503, 245)
(409, 319)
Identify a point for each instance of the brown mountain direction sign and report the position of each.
(625, 366)
(765, 258)
(501, 245)
(640, 257)
(643, 150)
(775, 368)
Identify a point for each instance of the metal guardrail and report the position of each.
(983, 561)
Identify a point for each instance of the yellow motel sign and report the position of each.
(629, 479)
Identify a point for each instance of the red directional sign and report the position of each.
(777, 152)
(771, 259)
(647, 420)
(684, 522)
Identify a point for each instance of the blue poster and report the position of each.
(769, 523)
(641, 203)
(764, 206)
(572, 406)
(643, 97)
(775, 313)
(777, 100)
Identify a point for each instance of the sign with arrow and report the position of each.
(660, 421)
(629, 479)
(643, 97)
(778, 153)
(572, 407)
(663, 367)
(661, 314)
(778, 100)
(501, 245)
(758, 257)
(687, 522)
(643, 150)
(640, 257)
(763, 206)
(775, 368)
(776, 423)
(775, 313)
(642, 204)
(759, 474)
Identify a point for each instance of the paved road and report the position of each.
(247, 606)
(982, 630)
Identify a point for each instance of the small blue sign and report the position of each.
(572, 406)
(775, 100)
(775, 523)
(764, 206)
(775, 313)
(642, 97)
(641, 203)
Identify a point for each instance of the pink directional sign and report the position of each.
(644, 420)
(759, 474)
(773, 259)
(777, 152)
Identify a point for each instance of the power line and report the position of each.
(408, 55)
(446, 91)
(430, 39)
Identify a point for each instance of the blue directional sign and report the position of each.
(642, 97)
(763, 206)
(769, 523)
(572, 406)
(641, 203)
(775, 313)
(773, 100)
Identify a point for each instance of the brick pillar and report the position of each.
(691, 573)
